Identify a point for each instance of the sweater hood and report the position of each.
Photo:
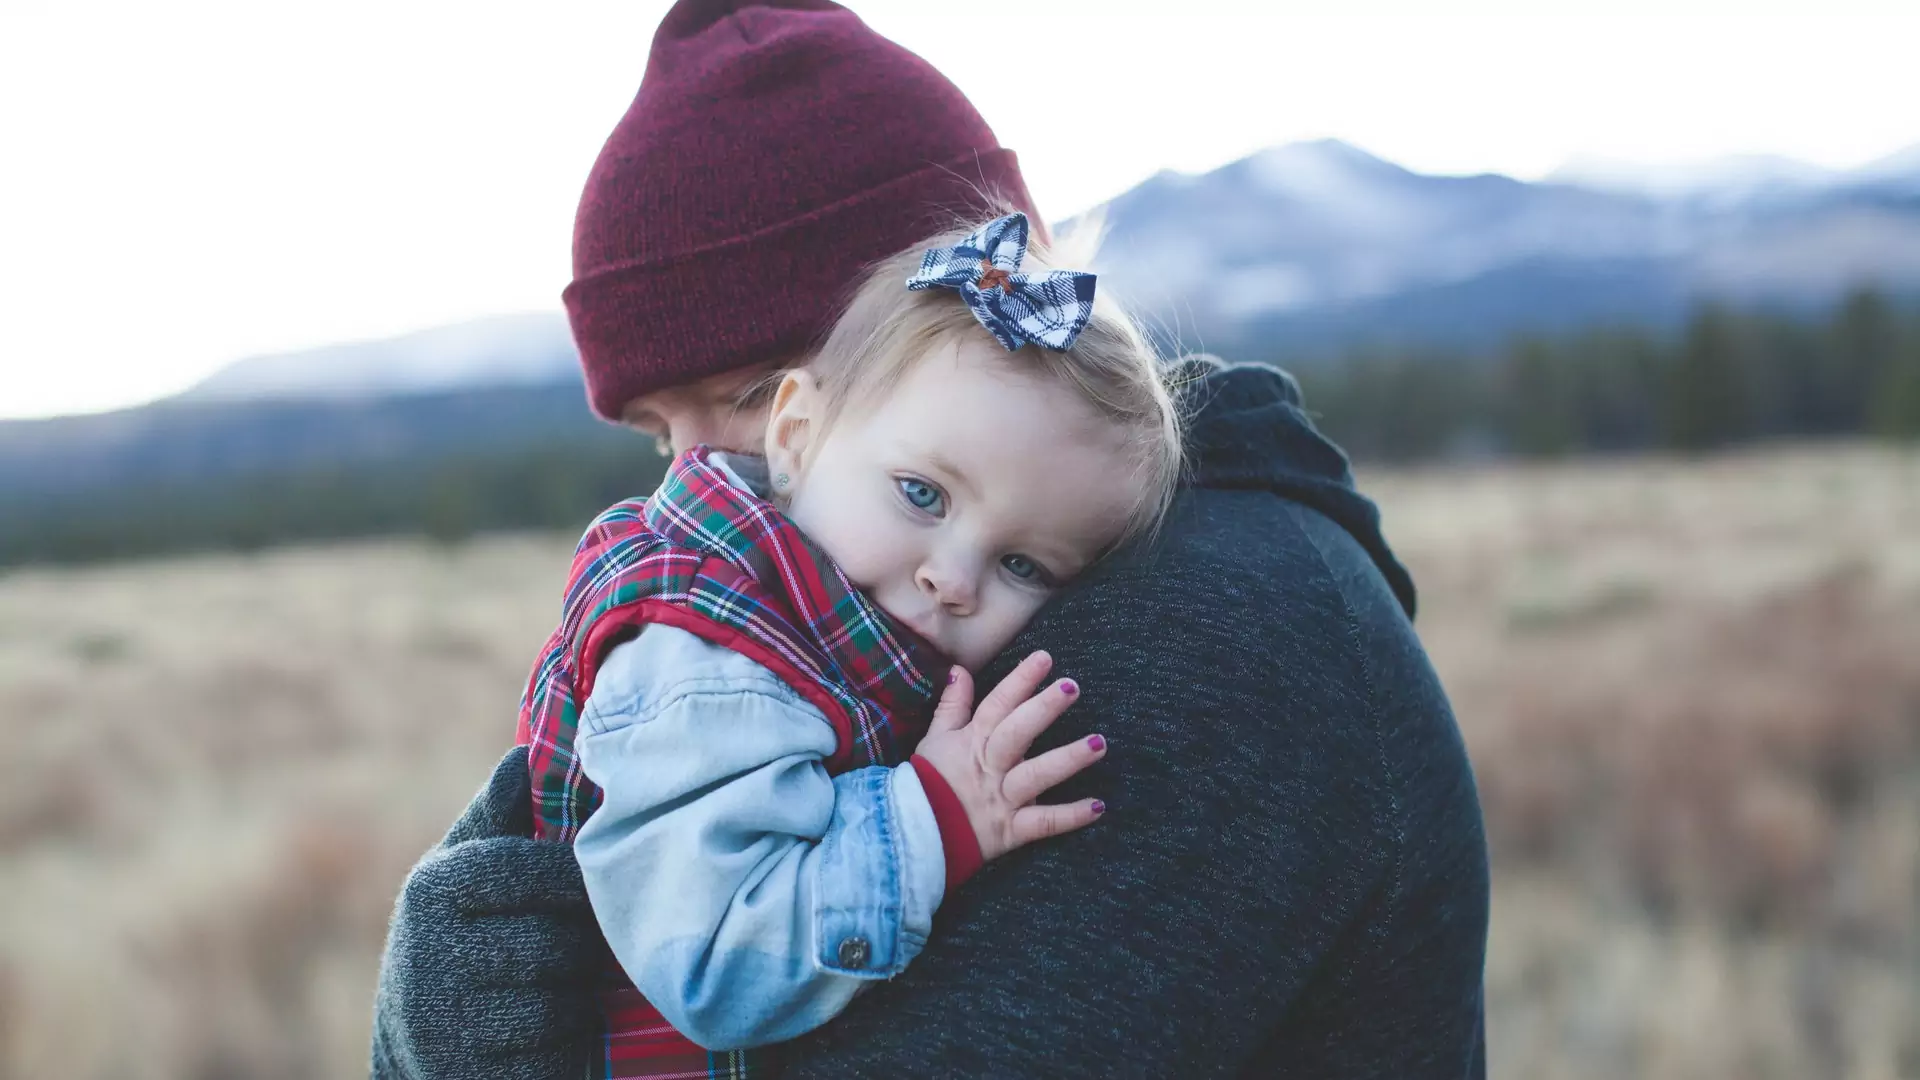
(1247, 431)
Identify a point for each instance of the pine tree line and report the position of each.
(1728, 377)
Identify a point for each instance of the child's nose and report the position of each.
(952, 588)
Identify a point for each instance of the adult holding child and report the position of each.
(1292, 878)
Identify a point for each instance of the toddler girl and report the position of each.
(731, 724)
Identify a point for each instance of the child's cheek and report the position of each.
(1016, 609)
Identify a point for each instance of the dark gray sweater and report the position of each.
(1291, 879)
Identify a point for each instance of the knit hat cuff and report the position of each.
(764, 296)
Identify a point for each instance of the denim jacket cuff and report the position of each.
(923, 860)
(961, 846)
(874, 898)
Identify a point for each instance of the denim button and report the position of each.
(853, 953)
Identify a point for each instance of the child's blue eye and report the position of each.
(922, 495)
(1021, 567)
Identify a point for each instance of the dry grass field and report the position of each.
(1691, 691)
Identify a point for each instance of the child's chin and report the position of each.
(973, 659)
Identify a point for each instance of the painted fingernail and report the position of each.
(953, 676)
(1096, 743)
(1099, 808)
(1069, 687)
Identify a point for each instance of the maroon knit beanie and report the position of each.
(775, 150)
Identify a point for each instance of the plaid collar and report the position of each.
(699, 507)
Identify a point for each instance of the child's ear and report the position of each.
(792, 422)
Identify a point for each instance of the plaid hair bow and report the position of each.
(1050, 309)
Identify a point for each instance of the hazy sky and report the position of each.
(188, 183)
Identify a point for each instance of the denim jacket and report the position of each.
(746, 892)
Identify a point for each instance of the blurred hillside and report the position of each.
(187, 475)
(1430, 317)
(1688, 689)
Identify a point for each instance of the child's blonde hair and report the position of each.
(886, 328)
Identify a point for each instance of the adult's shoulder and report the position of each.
(1253, 595)
(1270, 617)
(1224, 662)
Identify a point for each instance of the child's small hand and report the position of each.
(981, 756)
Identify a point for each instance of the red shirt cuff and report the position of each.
(957, 838)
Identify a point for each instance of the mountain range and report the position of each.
(505, 350)
(1311, 249)
(1300, 253)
